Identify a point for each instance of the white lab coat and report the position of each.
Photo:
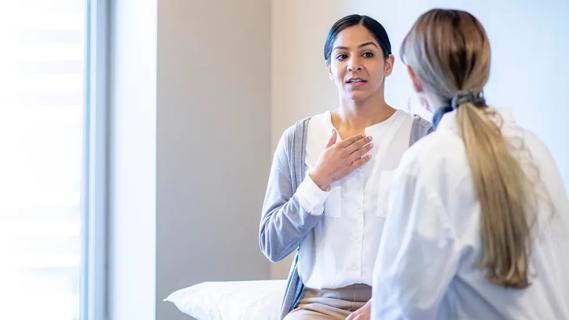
(426, 266)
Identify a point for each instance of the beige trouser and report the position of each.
(330, 304)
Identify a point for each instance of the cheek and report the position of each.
(337, 68)
(376, 73)
(337, 73)
(373, 66)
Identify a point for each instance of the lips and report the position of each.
(355, 80)
(355, 83)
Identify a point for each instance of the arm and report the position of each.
(417, 258)
(284, 223)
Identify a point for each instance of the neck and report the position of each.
(355, 115)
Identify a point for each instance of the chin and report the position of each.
(358, 96)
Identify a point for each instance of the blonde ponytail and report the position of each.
(505, 196)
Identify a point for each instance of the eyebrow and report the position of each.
(360, 46)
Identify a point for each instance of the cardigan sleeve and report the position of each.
(284, 222)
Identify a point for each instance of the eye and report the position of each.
(368, 54)
(341, 57)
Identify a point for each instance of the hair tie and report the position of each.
(476, 99)
(460, 98)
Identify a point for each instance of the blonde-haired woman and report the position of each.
(479, 217)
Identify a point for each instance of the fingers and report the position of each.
(332, 139)
(359, 162)
(349, 141)
(358, 153)
(358, 144)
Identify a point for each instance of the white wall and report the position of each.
(530, 65)
(213, 142)
(190, 148)
(132, 181)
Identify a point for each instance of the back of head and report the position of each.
(449, 52)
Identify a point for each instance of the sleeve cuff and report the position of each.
(311, 197)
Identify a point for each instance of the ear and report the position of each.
(416, 81)
(388, 65)
(329, 69)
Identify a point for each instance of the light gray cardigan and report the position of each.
(284, 224)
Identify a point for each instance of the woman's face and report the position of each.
(357, 65)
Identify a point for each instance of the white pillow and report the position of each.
(231, 300)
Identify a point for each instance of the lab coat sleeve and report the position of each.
(416, 259)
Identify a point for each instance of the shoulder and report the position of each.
(515, 133)
(296, 134)
(295, 128)
(531, 151)
(300, 126)
(419, 129)
(402, 116)
(414, 118)
(422, 124)
(417, 126)
(440, 152)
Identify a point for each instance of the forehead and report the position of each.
(354, 36)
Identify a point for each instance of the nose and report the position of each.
(354, 65)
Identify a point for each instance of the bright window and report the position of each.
(42, 52)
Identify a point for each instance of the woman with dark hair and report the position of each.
(325, 192)
(479, 217)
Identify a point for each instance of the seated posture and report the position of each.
(329, 174)
(478, 224)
